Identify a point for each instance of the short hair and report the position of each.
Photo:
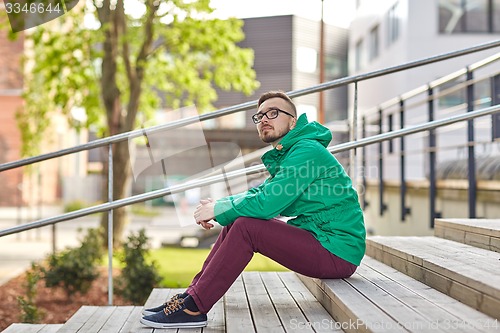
(277, 94)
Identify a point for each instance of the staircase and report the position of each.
(446, 283)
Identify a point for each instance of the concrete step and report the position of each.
(481, 233)
(378, 298)
(33, 328)
(466, 273)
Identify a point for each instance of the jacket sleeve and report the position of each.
(298, 170)
(251, 191)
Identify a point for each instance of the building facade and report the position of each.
(287, 50)
(388, 33)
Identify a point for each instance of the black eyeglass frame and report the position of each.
(256, 121)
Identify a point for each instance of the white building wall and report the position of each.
(419, 38)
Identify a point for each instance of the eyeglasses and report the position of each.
(270, 114)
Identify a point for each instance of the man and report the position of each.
(326, 239)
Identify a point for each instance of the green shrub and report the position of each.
(138, 277)
(143, 210)
(29, 312)
(75, 269)
(75, 205)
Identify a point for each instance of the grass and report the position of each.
(178, 266)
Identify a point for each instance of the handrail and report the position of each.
(246, 171)
(248, 105)
(435, 83)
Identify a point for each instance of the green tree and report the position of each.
(117, 70)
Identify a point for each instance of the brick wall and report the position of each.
(10, 53)
(11, 83)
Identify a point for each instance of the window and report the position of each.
(474, 16)
(358, 61)
(374, 43)
(307, 59)
(335, 67)
(393, 24)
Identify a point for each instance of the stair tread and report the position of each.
(485, 226)
(258, 301)
(32, 328)
(384, 299)
(480, 233)
(462, 261)
(465, 272)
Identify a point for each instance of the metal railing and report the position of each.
(430, 96)
(109, 141)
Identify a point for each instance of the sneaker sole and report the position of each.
(173, 325)
(148, 313)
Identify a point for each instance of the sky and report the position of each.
(337, 12)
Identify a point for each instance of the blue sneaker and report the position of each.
(151, 311)
(176, 315)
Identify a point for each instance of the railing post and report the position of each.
(471, 151)
(383, 206)
(432, 160)
(353, 136)
(495, 99)
(110, 225)
(363, 164)
(404, 210)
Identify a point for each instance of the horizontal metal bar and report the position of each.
(436, 83)
(248, 105)
(246, 171)
(414, 129)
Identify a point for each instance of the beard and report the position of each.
(272, 135)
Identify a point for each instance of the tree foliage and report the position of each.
(166, 53)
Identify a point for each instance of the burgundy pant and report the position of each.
(288, 245)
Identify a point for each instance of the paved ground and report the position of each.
(17, 251)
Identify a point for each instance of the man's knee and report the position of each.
(249, 224)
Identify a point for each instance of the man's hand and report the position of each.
(204, 213)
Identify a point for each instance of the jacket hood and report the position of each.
(305, 130)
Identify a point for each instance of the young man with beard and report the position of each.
(325, 239)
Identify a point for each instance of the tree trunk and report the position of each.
(121, 185)
(119, 119)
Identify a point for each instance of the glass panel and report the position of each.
(359, 55)
(476, 19)
(452, 96)
(374, 43)
(451, 16)
(393, 22)
(335, 67)
(496, 15)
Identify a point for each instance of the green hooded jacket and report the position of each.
(308, 183)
